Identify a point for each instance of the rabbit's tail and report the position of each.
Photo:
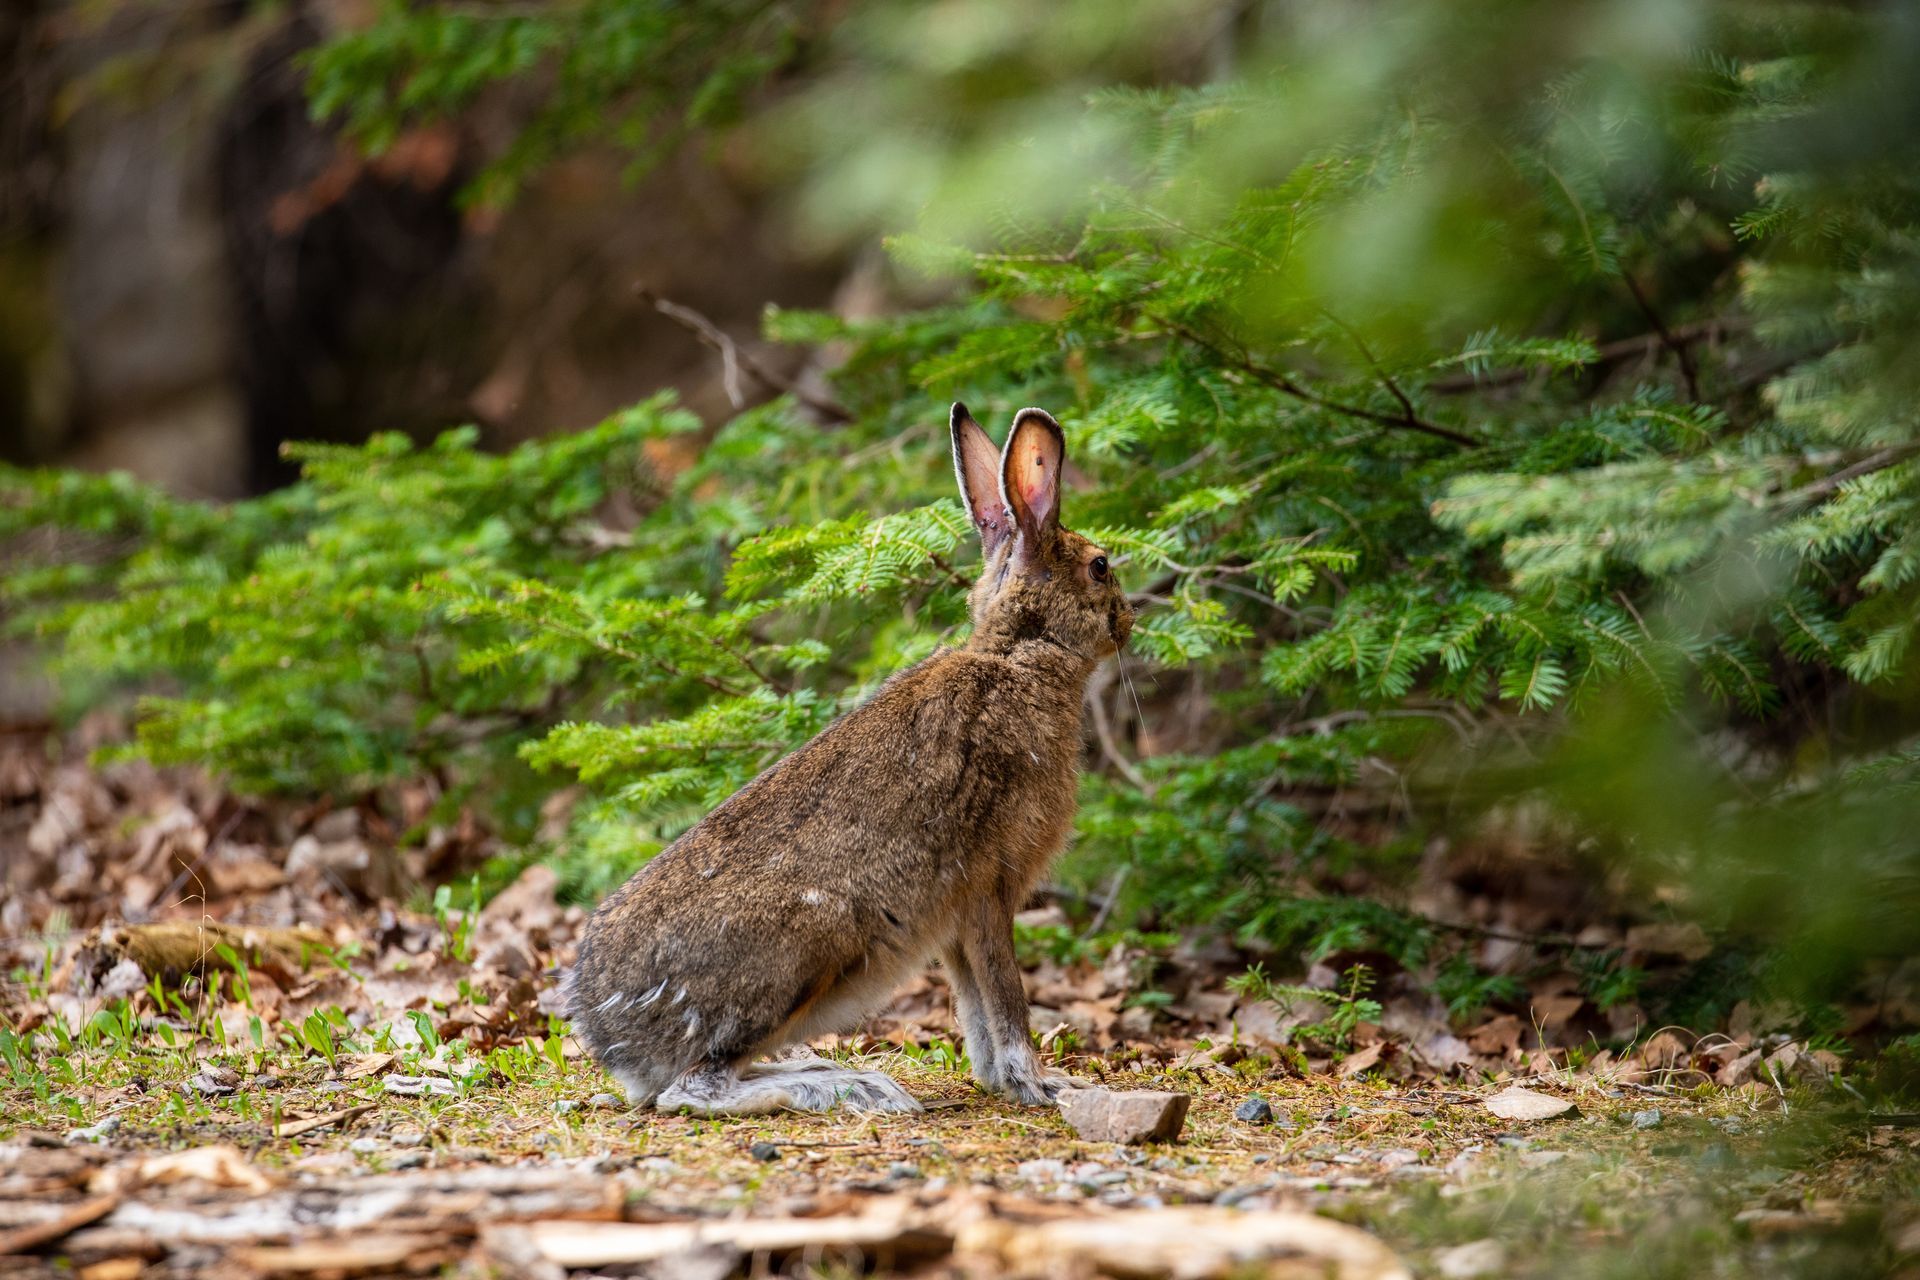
(809, 1084)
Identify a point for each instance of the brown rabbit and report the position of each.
(913, 826)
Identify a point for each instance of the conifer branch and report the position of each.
(1279, 381)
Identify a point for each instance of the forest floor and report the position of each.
(230, 1045)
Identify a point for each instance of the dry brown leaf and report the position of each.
(1515, 1103)
(222, 1166)
(358, 1066)
(1670, 938)
(1361, 1060)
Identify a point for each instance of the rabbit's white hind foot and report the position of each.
(783, 1086)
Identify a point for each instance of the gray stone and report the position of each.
(1648, 1119)
(1255, 1110)
(364, 1146)
(606, 1102)
(1468, 1261)
(1041, 1170)
(1130, 1116)
(765, 1152)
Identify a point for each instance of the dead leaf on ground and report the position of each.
(221, 1166)
(1515, 1103)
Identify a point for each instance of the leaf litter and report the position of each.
(231, 1046)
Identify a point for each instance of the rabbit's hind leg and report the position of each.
(721, 1089)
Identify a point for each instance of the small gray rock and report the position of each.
(409, 1160)
(1648, 1119)
(901, 1169)
(764, 1152)
(1255, 1110)
(1237, 1195)
(565, 1106)
(1041, 1170)
(409, 1139)
(364, 1146)
(606, 1102)
(96, 1133)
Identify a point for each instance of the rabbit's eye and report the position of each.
(1098, 568)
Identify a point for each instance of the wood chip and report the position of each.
(341, 1117)
(1516, 1103)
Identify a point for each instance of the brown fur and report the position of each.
(914, 826)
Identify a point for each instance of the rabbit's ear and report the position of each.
(976, 465)
(1030, 475)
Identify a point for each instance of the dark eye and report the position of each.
(1098, 568)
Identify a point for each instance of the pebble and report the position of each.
(409, 1160)
(1648, 1119)
(566, 1106)
(1165, 1164)
(364, 1146)
(408, 1139)
(606, 1102)
(1246, 1191)
(1041, 1170)
(662, 1166)
(901, 1169)
(764, 1152)
(1255, 1110)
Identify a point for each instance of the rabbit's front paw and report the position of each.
(1039, 1088)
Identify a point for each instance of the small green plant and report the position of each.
(1346, 1007)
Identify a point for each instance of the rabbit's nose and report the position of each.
(1120, 623)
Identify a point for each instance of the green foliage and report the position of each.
(1554, 442)
(1346, 1006)
(642, 74)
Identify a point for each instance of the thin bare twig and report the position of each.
(1879, 460)
(1279, 381)
(1680, 351)
(734, 359)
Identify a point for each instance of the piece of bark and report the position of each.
(885, 1236)
(1190, 1243)
(349, 1255)
(1130, 1116)
(1515, 1103)
(25, 1239)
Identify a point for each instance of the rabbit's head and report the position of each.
(1040, 581)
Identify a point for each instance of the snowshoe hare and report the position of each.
(913, 826)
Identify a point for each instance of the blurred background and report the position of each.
(1504, 412)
